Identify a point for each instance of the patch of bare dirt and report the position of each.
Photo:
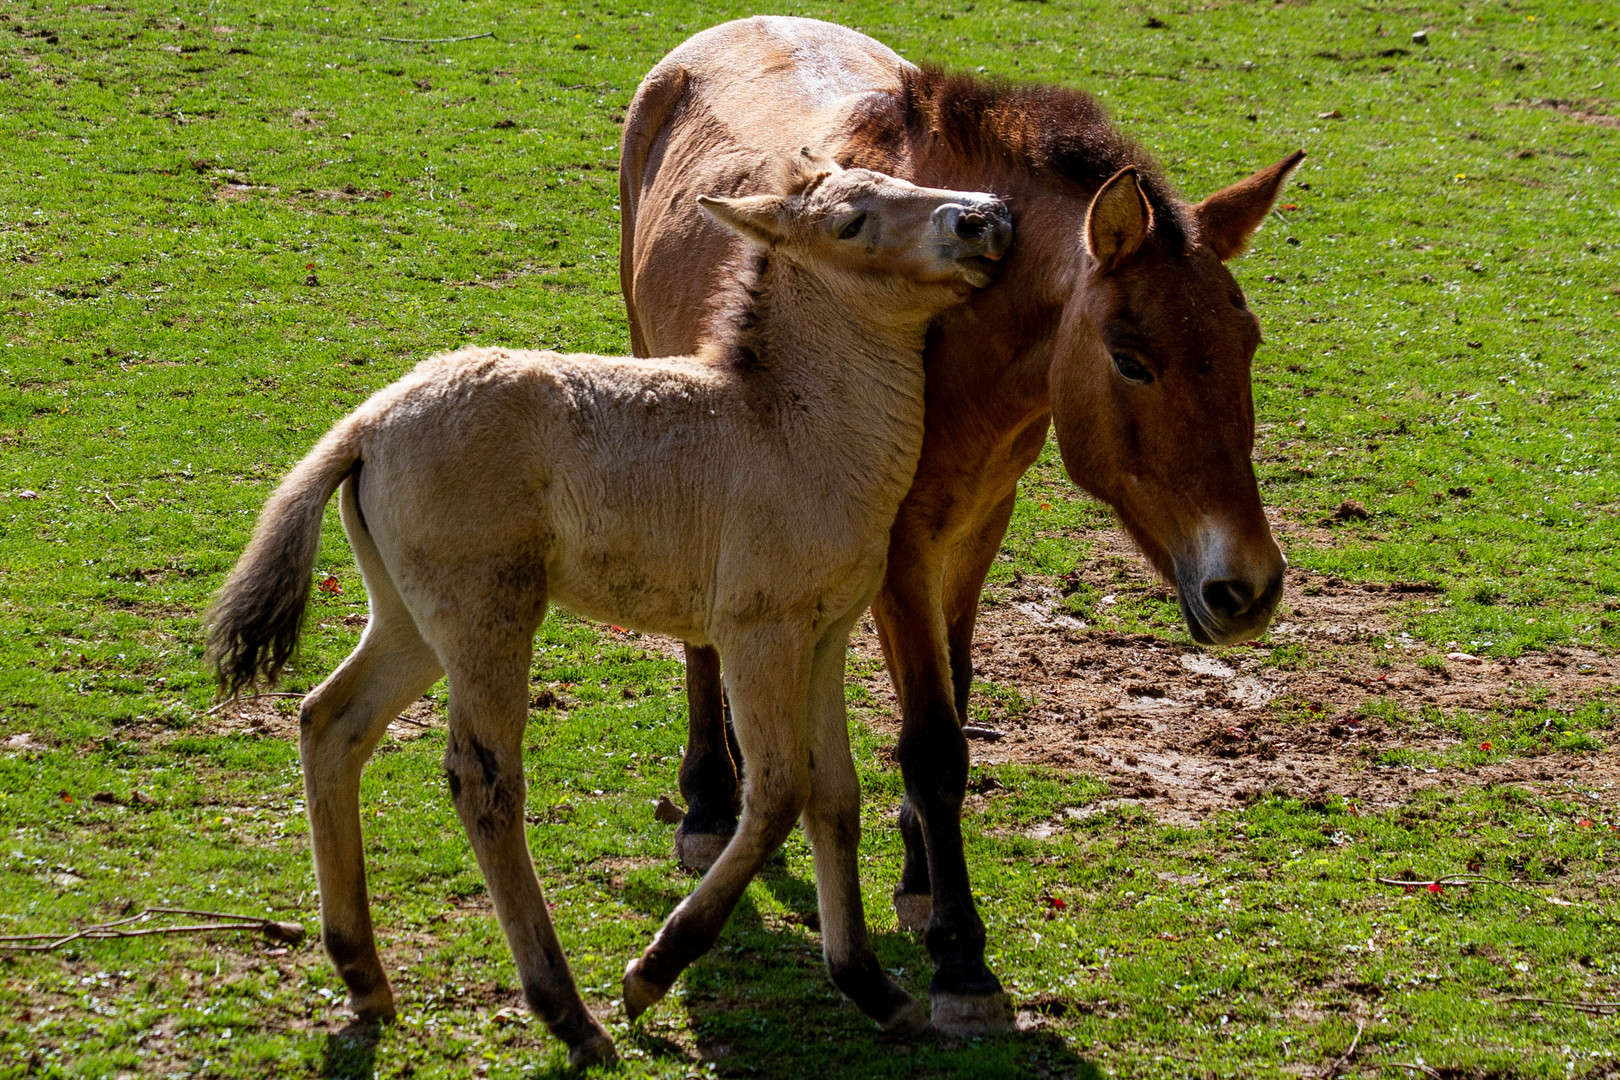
(276, 716)
(1186, 732)
(1579, 111)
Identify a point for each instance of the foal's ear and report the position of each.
(1227, 218)
(1119, 220)
(754, 217)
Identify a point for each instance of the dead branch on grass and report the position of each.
(285, 933)
(1461, 880)
(1594, 1008)
(436, 40)
(1344, 1059)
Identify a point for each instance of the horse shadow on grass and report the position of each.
(760, 1003)
(351, 1053)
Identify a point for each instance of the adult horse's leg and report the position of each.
(964, 996)
(708, 771)
(340, 722)
(768, 683)
(964, 574)
(832, 820)
(489, 681)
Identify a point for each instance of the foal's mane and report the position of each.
(733, 324)
(1042, 131)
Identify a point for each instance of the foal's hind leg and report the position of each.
(832, 819)
(339, 725)
(487, 655)
(768, 684)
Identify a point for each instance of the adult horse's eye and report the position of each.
(853, 228)
(1132, 368)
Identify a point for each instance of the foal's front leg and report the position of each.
(767, 679)
(832, 820)
(484, 766)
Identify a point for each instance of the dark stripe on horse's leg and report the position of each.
(965, 995)
(708, 773)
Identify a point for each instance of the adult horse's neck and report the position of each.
(1005, 336)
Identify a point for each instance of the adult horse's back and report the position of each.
(1114, 319)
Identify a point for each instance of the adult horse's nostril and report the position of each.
(1228, 599)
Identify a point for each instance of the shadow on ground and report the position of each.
(761, 1004)
(351, 1054)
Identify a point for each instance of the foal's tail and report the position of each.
(254, 623)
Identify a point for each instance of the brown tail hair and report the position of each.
(254, 623)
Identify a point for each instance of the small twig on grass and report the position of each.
(1596, 1008)
(1415, 1067)
(112, 504)
(287, 933)
(436, 40)
(1344, 1059)
(250, 697)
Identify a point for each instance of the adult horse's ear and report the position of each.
(754, 217)
(1227, 218)
(1118, 221)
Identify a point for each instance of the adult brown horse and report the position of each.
(1114, 319)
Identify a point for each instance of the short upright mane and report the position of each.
(1024, 126)
(735, 313)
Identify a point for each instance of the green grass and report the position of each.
(224, 227)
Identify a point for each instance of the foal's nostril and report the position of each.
(1228, 599)
(971, 226)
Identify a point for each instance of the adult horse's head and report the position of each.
(1151, 398)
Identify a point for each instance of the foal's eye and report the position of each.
(1132, 368)
(853, 228)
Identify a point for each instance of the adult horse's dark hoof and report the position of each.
(640, 993)
(971, 1014)
(698, 851)
(376, 1007)
(596, 1049)
(913, 910)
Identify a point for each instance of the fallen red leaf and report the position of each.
(1584, 823)
(1484, 746)
(64, 796)
(1290, 206)
(330, 584)
(1436, 887)
(1056, 902)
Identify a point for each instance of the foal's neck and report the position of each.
(794, 329)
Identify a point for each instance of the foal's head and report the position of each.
(1151, 399)
(893, 253)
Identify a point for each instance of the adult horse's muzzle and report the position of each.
(976, 236)
(1226, 595)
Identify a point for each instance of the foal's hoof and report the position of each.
(907, 1022)
(595, 1050)
(640, 994)
(972, 1014)
(698, 851)
(913, 910)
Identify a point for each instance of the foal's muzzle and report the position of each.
(976, 235)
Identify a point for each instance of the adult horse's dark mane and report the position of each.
(1040, 130)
